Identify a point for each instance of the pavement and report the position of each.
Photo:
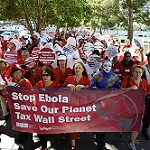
(114, 141)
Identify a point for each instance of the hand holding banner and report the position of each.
(51, 111)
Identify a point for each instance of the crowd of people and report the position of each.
(73, 68)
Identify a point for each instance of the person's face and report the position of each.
(127, 57)
(25, 55)
(104, 55)
(2, 65)
(78, 69)
(60, 43)
(107, 66)
(12, 46)
(137, 73)
(46, 77)
(17, 74)
(62, 63)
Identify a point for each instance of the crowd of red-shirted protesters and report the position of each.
(28, 71)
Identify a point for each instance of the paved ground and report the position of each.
(114, 141)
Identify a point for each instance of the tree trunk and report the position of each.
(40, 21)
(130, 24)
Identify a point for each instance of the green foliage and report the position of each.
(72, 13)
(110, 13)
(61, 13)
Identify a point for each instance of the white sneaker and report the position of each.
(132, 146)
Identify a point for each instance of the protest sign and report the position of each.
(88, 48)
(111, 51)
(11, 57)
(94, 61)
(46, 56)
(50, 111)
(35, 52)
(98, 46)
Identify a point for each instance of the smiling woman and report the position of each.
(47, 81)
(17, 77)
(136, 82)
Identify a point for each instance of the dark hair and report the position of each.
(102, 55)
(127, 52)
(49, 71)
(124, 61)
(2, 60)
(84, 73)
(96, 52)
(148, 55)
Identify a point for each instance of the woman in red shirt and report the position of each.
(47, 81)
(136, 82)
(77, 81)
(17, 77)
(62, 71)
(124, 67)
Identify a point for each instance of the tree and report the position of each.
(119, 13)
(105, 14)
(134, 11)
(60, 13)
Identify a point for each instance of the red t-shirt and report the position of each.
(129, 82)
(40, 84)
(60, 77)
(83, 81)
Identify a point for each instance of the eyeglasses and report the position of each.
(45, 75)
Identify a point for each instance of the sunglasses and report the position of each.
(45, 75)
(127, 56)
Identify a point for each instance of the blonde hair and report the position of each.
(137, 66)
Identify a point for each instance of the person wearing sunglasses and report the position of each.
(47, 81)
(124, 67)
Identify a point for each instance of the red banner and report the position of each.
(43, 110)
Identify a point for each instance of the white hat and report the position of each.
(61, 57)
(75, 55)
(17, 44)
(71, 41)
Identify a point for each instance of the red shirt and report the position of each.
(40, 84)
(83, 81)
(4, 45)
(60, 77)
(127, 46)
(144, 85)
(125, 71)
(24, 83)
